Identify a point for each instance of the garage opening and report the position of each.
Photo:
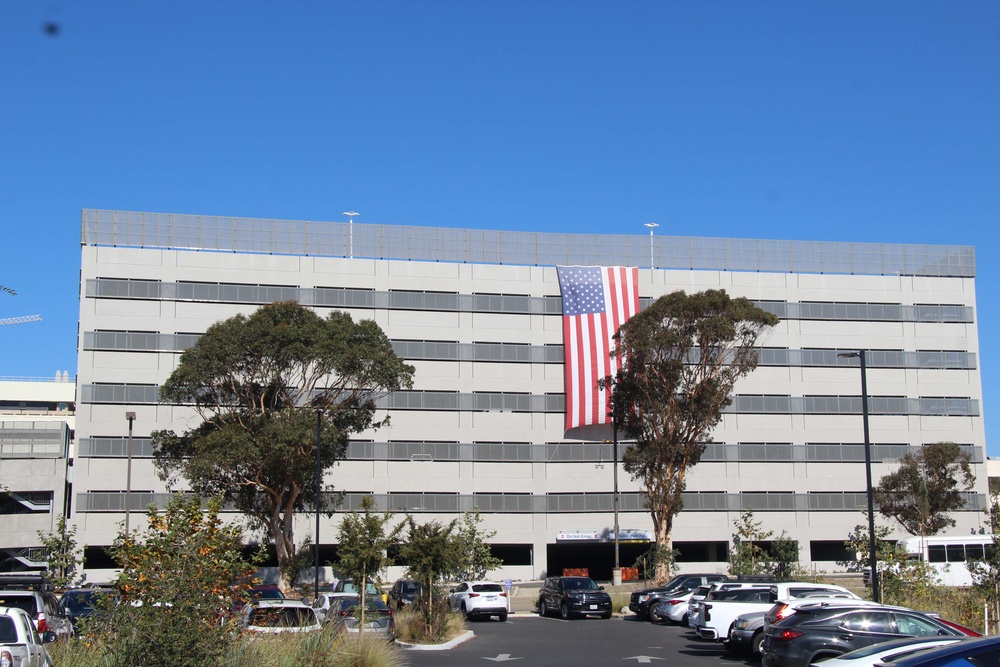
(597, 558)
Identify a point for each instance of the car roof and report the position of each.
(485, 581)
(970, 646)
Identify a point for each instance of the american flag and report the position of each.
(596, 301)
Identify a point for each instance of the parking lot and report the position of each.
(551, 642)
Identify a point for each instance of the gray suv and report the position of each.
(821, 630)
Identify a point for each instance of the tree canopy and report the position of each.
(928, 484)
(258, 382)
(682, 357)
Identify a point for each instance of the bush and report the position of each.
(411, 626)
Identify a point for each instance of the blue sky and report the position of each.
(840, 121)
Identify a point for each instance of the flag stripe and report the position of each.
(596, 301)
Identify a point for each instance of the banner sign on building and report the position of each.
(596, 301)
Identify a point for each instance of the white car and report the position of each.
(281, 616)
(479, 599)
(887, 652)
(674, 607)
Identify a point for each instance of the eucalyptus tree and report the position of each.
(681, 358)
(267, 387)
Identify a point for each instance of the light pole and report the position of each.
(318, 481)
(350, 227)
(652, 226)
(873, 564)
(130, 416)
(617, 575)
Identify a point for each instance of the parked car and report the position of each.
(643, 602)
(344, 586)
(34, 593)
(259, 592)
(821, 630)
(326, 601)
(972, 652)
(888, 652)
(690, 618)
(747, 632)
(479, 599)
(345, 617)
(402, 593)
(20, 643)
(573, 596)
(79, 603)
(280, 617)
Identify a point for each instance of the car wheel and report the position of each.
(542, 609)
(653, 616)
(564, 611)
(758, 639)
(684, 620)
(503, 617)
(468, 615)
(606, 615)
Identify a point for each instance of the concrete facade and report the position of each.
(36, 425)
(484, 424)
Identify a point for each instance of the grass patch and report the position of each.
(317, 649)
(411, 627)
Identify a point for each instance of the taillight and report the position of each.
(43, 625)
(673, 601)
(783, 611)
(503, 595)
(473, 595)
(787, 635)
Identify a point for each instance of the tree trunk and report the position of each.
(661, 533)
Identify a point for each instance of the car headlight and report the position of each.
(643, 598)
(742, 623)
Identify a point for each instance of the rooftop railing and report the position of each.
(479, 246)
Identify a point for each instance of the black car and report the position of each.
(821, 630)
(79, 603)
(404, 592)
(573, 596)
(643, 602)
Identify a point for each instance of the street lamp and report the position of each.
(617, 575)
(130, 416)
(860, 354)
(652, 226)
(318, 481)
(350, 227)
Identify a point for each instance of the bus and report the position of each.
(948, 555)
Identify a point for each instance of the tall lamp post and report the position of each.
(318, 482)
(617, 575)
(860, 354)
(130, 416)
(350, 230)
(652, 226)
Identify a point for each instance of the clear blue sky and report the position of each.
(841, 121)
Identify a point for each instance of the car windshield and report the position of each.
(77, 601)
(409, 587)
(281, 617)
(487, 588)
(350, 604)
(674, 583)
(267, 594)
(25, 601)
(579, 584)
(8, 633)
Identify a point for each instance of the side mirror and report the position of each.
(451, 590)
(600, 588)
(48, 637)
